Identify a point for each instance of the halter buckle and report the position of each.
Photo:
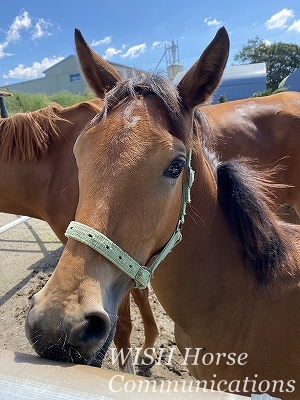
(179, 225)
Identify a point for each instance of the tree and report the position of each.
(222, 98)
(281, 58)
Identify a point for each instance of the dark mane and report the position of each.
(27, 136)
(143, 85)
(243, 194)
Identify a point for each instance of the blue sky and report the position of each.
(36, 34)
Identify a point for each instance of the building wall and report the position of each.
(239, 89)
(33, 86)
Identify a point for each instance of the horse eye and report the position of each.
(175, 168)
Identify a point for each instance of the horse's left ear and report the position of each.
(203, 77)
(99, 74)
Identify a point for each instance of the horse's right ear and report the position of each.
(99, 74)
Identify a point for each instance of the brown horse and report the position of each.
(38, 171)
(39, 178)
(266, 130)
(231, 286)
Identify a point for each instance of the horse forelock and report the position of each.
(143, 85)
(243, 194)
(26, 136)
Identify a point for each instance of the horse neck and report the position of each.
(206, 219)
(206, 265)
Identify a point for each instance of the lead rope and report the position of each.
(100, 243)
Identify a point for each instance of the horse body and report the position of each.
(265, 130)
(43, 184)
(231, 286)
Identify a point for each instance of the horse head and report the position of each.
(133, 162)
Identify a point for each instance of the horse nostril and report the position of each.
(93, 329)
(97, 328)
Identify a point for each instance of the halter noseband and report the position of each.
(99, 242)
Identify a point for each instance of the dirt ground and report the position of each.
(28, 256)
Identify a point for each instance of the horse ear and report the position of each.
(200, 81)
(99, 74)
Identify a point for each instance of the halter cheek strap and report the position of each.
(103, 245)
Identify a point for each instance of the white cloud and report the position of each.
(209, 21)
(279, 20)
(135, 51)
(22, 21)
(3, 46)
(267, 42)
(100, 42)
(110, 52)
(41, 29)
(295, 26)
(33, 72)
(155, 44)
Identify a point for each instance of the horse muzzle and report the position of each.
(82, 338)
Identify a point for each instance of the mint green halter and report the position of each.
(117, 256)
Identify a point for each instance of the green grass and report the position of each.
(26, 102)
